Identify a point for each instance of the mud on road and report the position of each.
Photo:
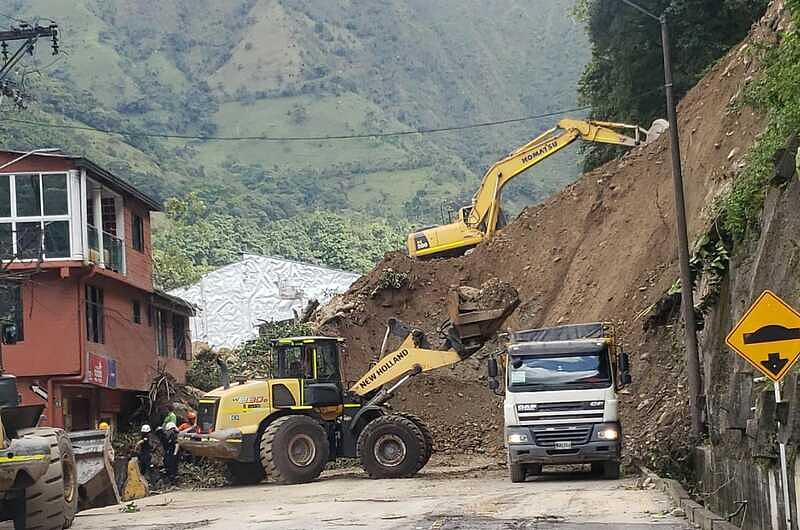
(478, 495)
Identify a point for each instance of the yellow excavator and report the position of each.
(288, 427)
(480, 220)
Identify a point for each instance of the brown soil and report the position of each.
(601, 249)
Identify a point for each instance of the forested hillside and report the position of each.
(306, 68)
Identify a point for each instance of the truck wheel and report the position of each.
(518, 473)
(294, 449)
(391, 446)
(52, 501)
(611, 470)
(426, 434)
(245, 473)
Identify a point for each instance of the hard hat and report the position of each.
(103, 426)
(145, 428)
(191, 415)
(171, 425)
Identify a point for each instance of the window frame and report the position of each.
(20, 313)
(13, 220)
(137, 236)
(136, 311)
(95, 315)
(180, 347)
(161, 335)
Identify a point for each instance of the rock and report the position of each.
(666, 417)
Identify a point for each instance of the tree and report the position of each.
(624, 79)
(195, 240)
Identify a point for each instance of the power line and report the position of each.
(120, 132)
(18, 20)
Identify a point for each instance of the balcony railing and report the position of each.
(113, 254)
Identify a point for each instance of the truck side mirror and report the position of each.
(8, 334)
(491, 367)
(624, 369)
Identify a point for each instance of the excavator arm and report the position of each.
(486, 202)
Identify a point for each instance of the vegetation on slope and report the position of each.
(194, 240)
(303, 68)
(776, 94)
(625, 76)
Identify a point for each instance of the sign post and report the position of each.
(768, 337)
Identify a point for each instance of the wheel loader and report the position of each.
(288, 427)
(47, 474)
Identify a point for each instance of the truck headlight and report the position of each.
(517, 437)
(608, 431)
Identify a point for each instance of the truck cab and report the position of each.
(561, 400)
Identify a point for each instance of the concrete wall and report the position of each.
(741, 462)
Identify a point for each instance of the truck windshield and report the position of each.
(559, 371)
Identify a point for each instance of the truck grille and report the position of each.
(548, 436)
(206, 415)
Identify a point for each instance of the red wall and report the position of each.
(139, 265)
(132, 345)
(54, 324)
(51, 335)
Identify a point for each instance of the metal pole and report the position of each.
(687, 298)
(787, 513)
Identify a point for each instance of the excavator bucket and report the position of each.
(659, 127)
(94, 460)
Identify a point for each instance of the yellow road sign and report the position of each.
(768, 336)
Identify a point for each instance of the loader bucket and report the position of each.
(471, 328)
(94, 459)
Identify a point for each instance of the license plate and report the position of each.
(563, 445)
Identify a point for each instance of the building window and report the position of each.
(94, 315)
(138, 233)
(161, 332)
(11, 308)
(179, 336)
(34, 216)
(137, 312)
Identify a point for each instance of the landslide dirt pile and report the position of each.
(601, 249)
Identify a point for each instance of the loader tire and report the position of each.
(391, 446)
(245, 473)
(51, 503)
(426, 434)
(294, 449)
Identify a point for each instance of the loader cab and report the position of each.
(316, 363)
(308, 358)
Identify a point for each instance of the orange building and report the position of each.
(91, 330)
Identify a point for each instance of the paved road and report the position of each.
(440, 498)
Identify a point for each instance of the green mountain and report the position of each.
(305, 68)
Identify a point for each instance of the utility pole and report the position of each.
(687, 296)
(29, 35)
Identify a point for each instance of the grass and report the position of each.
(777, 94)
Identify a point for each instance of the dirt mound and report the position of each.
(601, 249)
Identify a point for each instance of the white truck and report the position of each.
(560, 404)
